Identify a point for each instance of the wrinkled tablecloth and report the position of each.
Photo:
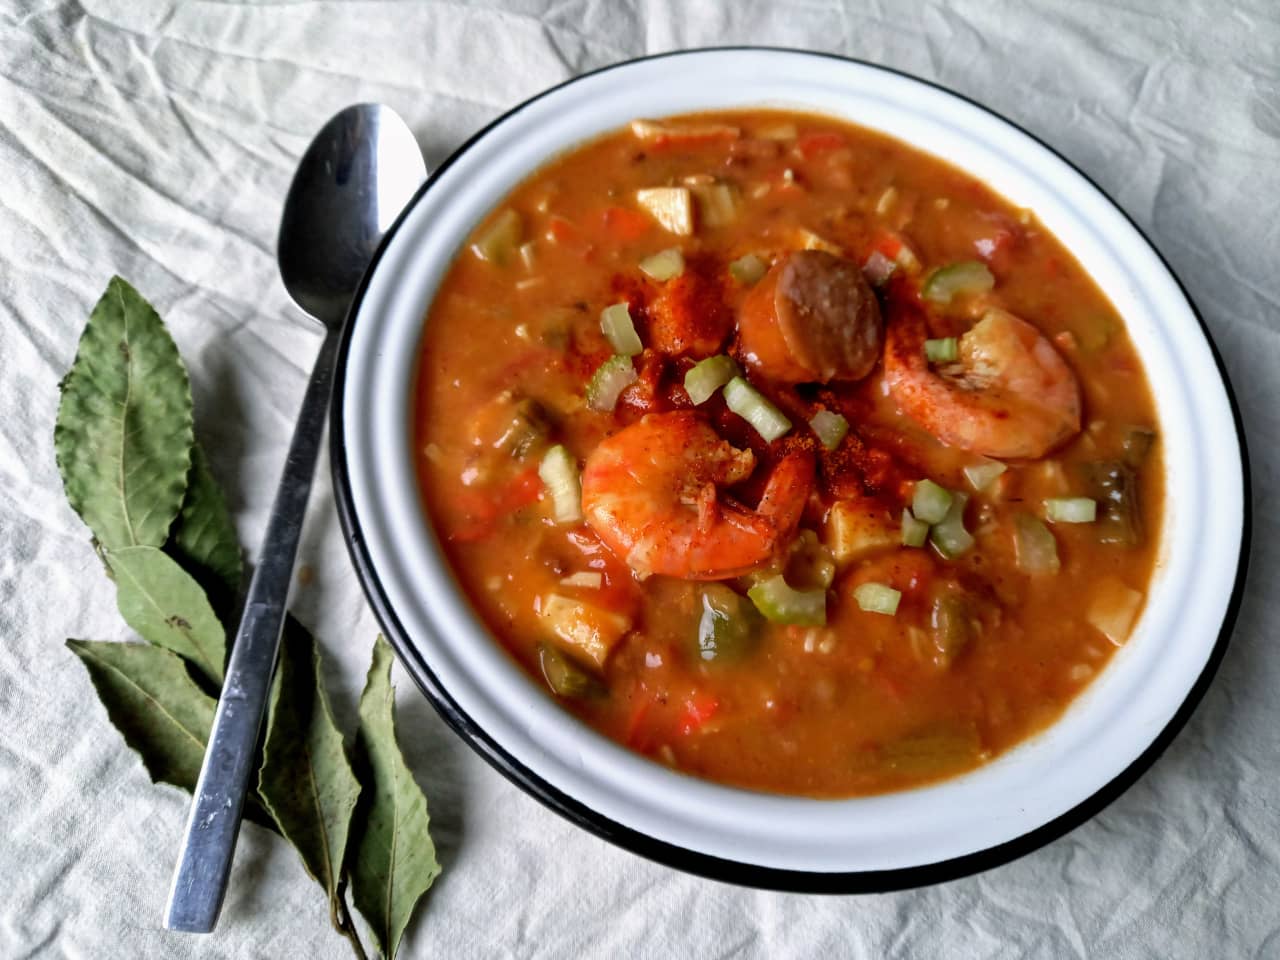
(156, 140)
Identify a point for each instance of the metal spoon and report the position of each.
(353, 181)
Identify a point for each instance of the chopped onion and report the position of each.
(914, 532)
(559, 471)
(672, 207)
(878, 268)
(930, 502)
(877, 598)
(499, 241)
(610, 379)
(707, 376)
(616, 325)
(747, 269)
(1071, 510)
(1034, 546)
(829, 427)
(664, 265)
(944, 350)
(750, 404)
(1114, 609)
(982, 475)
(589, 579)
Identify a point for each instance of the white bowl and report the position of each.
(1028, 796)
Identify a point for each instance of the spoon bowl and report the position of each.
(362, 168)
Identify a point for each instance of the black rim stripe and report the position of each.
(706, 865)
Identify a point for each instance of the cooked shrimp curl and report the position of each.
(653, 493)
(1009, 395)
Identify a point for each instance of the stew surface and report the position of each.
(786, 454)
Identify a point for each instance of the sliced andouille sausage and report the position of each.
(812, 318)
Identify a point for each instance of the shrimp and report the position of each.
(1009, 395)
(651, 492)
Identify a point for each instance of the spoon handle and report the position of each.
(200, 877)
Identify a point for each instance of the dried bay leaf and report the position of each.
(124, 428)
(166, 606)
(160, 711)
(154, 703)
(204, 539)
(306, 779)
(394, 859)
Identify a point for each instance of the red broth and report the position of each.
(958, 649)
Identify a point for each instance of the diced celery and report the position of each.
(968, 276)
(707, 376)
(750, 404)
(877, 598)
(949, 535)
(782, 604)
(499, 241)
(747, 269)
(1071, 510)
(914, 532)
(945, 350)
(930, 502)
(663, 265)
(1035, 548)
(610, 379)
(830, 428)
(616, 325)
(982, 475)
(559, 471)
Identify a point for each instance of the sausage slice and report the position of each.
(812, 318)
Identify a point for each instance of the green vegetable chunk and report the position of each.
(566, 678)
(949, 535)
(559, 471)
(707, 376)
(930, 502)
(607, 383)
(830, 428)
(914, 532)
(729, 626)
(781, 603)
(750, 404)
(982, 475)
(877, 598)
(665, 265)
(968, 276)
(619, 330)
(945, 350)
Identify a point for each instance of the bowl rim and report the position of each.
(670, 854)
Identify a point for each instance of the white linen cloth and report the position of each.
(156, 140)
